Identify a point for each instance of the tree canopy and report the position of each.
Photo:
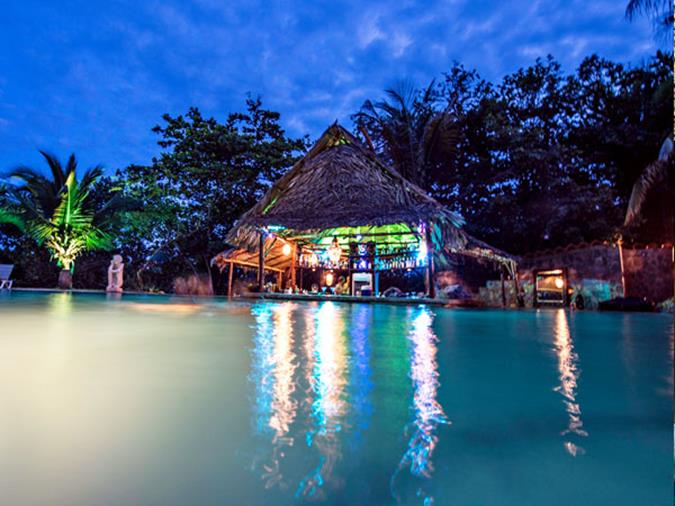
(541, 158)
(207, 175)
(544, 159)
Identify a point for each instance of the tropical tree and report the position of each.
(661, 11)
(658, 177)
(410, 131)
(61, 213)
(208, 173)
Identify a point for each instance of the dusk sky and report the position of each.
(94, 77)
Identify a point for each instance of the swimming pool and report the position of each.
(153, 401)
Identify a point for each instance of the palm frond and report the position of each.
(10, 217)
(654, 175)
(43, 192)
(71, 212)
(440, 137)
(117, 203)
(90, 177)
(637, 8)
(71, 165)
(58, 174)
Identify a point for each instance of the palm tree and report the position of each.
(61, 213)
(658, 175)
(661, 11)
(411, 133)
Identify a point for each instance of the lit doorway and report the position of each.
(550, 287)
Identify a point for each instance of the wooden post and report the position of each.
(621, 265)
(261, 263)
(501, 277)
(516, 285)
(430, 263)
(279, 281)
(349, 271)
(294, 259)
(229, 280)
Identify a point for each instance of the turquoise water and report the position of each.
(152, 401)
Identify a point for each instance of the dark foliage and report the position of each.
(208, 175)
(545, 159)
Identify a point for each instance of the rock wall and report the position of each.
(649, 273)
(595, 272)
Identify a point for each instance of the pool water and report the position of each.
(154, 401)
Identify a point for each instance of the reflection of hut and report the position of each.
(340, 211)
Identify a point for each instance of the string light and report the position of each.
(334, 251)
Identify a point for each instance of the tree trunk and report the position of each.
(65, 279)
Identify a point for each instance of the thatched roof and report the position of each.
(275, 258)
(341, 183)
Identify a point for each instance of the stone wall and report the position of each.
(595, 272)
(649, 273)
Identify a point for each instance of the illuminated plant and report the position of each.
(61, 213)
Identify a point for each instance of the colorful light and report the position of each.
(286, 249)
(423, 248)
(422, 252)
(312, 260)
(334, 251)
(329, 279)
(559, 283)
(568, 368)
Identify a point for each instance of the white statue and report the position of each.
(115, 275)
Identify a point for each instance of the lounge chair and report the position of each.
(5, 273)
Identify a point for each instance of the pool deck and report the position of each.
(401, 301)
(349, 298)
(409, 301)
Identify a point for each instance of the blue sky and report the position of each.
(94, 77)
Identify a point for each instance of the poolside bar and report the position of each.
(339, 219)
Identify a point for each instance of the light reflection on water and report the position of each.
(429, 414)
(568, 369)
(274, 366)
(335, 370)
(156, 401)
(326, 375)
(360, 383)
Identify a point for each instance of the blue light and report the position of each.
(422, 253)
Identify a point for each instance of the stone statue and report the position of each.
(115, 275)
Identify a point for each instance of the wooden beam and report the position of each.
(254, 265)
(294, 258)
(261, 262)
(267, 251)
(272, 259)
(364, 235)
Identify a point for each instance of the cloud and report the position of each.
(369, 30)
(100, 74)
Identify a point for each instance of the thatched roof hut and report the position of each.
(340, 189)
(341, 183)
